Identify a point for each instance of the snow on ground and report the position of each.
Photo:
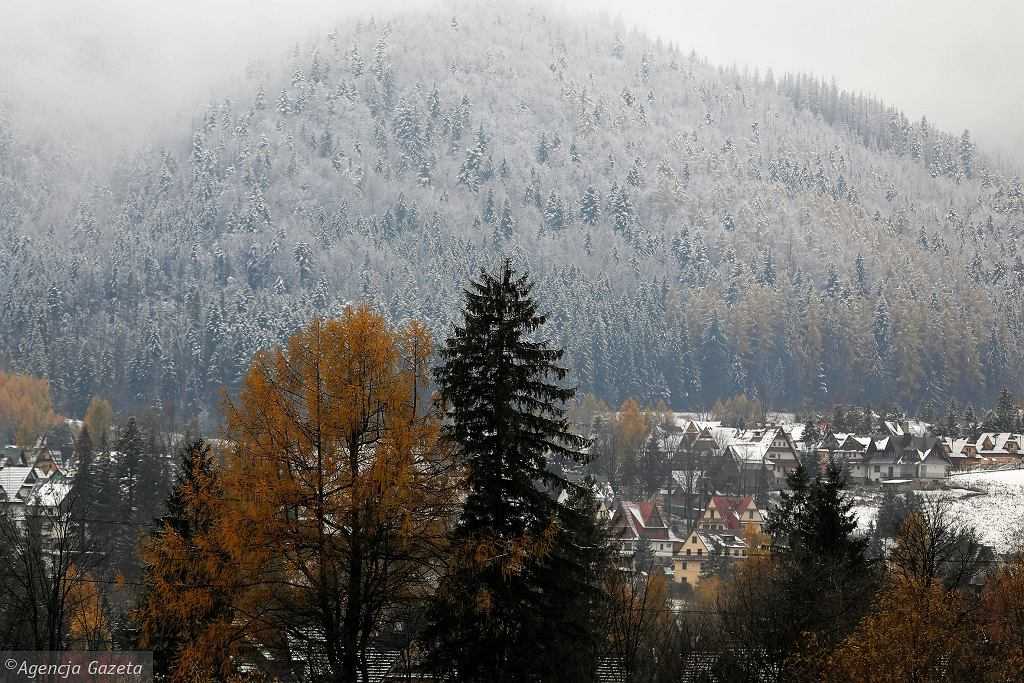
(866, 514)
(992, 502)
(1000, 511)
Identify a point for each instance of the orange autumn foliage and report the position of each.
(25, 408)
(89, 626)
(917, 631)
(337, 494)
(631, 427)
(1003, 619)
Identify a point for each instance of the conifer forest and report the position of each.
(480, 342)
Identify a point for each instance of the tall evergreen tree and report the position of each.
(192, 509)
(716, 370)
(1005, 412)
(501, 385)
(820, 582)
(590, 206)
(130, 447)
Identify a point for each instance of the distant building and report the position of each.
(633, 521)
(761, 458)
(729, 530)
(999, 448)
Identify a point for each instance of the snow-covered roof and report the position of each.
(795, 430)
(717, 541)
(752, 445)
(998, 441)
(13, 479)
(917, 428)
(51, 493)
(894, 427)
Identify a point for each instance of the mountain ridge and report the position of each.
(695, 232)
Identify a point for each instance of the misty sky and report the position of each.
(958, 63)
(118, 69)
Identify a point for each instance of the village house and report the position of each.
(729, 530)
(761, 458)
(962, 454)
(27, 487)
(999, 448)
(706, 439)
(893, 456)
(633, 522)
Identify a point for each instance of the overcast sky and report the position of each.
(120, 68)
(959, 63)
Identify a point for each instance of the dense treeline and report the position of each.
(347, 521)
(696, 232)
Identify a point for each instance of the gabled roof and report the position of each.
(730, 509)
(909, 456)
(955, 447)
(936, 452)
(720, 540)
(751, 446)
(998, 441)
(51, 493)
(893, 428)
(641, 519)
(13, 479)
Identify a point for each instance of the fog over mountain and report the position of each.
(952, 62)
(696, 231)
(80, 60)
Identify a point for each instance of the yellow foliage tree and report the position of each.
(98, 418)
(631, 427)
(1003, 620)
(340, 491)
(88, 621)
(917, 631)
(187, 613)
(25, 408)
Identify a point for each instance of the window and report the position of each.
(700, 551)
(688, 552)
(878, 468)
(751, 514)
(684, 567)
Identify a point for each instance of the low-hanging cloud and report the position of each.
(108, 75)
(956, 63)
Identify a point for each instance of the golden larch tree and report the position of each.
(26, 412)
(341, 493)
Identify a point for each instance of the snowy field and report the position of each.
(992, 502)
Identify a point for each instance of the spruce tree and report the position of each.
(505, 227)
(579, 558)
(500, 383)
(821, 580)
(130, 448)
(85, 486)
(1006, 412)
(590, 206)
(190, 514)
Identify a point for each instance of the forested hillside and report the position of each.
(695, 232)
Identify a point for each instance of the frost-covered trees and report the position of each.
(397, 167)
